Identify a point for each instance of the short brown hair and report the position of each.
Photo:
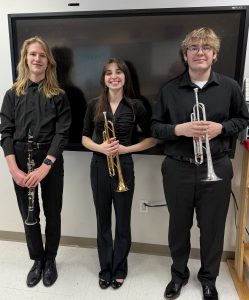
(205, 34)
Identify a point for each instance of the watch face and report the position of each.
(48, 162)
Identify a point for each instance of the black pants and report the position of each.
(112, 256)
(51, 193)
(185, 192)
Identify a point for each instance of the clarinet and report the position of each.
(31, 192)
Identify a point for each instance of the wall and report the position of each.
(78, 211)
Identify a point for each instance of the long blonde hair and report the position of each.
(50, 86)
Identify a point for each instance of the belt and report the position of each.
(182, 158)
(191, 160)
(36, 146)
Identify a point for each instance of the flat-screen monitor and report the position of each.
(148, 40)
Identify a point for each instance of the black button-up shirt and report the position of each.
(48, 119)
(128, 114)
(224, 103)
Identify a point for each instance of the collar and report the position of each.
(185, 80)
(35, 84)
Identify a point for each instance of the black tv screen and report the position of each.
(148, 40)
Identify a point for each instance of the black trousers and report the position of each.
(112, 256)
(51, 193)
(185, 192)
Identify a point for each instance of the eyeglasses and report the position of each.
(195, 49)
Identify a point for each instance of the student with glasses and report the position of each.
(195, 49)
(184, 188)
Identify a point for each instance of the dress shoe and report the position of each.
(173, 289)
(116, 284)
(34, 275)
(50, 273)
(103, 284)
(209, 292)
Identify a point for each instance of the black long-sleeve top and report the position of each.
(48, 119)
(224, 103)
(129, 113)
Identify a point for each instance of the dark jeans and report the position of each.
(112, 256)
(185, 192)
(51, 193)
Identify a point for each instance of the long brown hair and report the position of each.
(128, 91)
(50, 86)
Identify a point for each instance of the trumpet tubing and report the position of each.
(109, 132)
(198, 111)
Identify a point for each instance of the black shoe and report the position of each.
(104, 283)
(50, 273)
(116, 284)
(209, 292)
(173, 289)
(34, 275)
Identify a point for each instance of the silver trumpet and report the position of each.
(199, 114)
(31, 220)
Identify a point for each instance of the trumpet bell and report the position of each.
(121, 188)
(211, 177)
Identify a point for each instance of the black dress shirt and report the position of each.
(48, 119)
(224, 103)
(128, 114)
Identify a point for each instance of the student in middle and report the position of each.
(115, 113)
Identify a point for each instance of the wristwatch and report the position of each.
(48, 162)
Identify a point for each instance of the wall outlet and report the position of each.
(143, 208)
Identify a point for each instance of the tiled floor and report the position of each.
(78, 268)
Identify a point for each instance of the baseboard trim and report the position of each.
(82, 242)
